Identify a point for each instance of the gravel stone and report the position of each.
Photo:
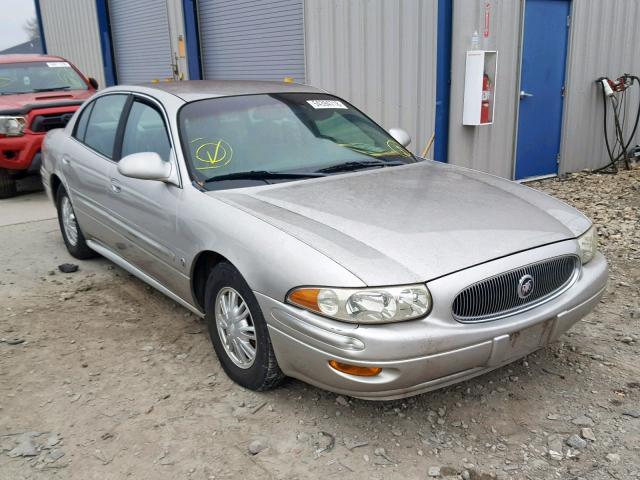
(583, 421)
(613, 457)
(256, 446)
(434, 471)
(574, 441)
(587, 434)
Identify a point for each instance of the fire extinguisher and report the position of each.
(486, 99)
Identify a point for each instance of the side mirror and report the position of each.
(401, 136)
(93, 82)
(145, 166)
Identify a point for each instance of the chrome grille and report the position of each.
(498, 296)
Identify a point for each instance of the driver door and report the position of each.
(145, 210)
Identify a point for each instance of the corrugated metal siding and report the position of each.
(71, 31)
(141, 42)
(378, 55)
(487, 148)
(605, 39)
(254, 40)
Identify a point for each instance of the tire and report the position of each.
(263, 373)
(76, 243)
(8, 186)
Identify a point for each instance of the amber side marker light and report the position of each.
(355, 369)
(305, 297)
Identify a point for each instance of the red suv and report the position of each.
(37, 93)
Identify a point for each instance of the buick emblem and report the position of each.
(525, 286)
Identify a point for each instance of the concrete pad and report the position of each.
(30, 207)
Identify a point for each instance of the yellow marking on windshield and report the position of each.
(394, 149)
(213, 154)
(4, 81)
(397, 148)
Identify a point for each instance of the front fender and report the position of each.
(271, 261)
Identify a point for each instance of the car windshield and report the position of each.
(282, 137)
(32, 77)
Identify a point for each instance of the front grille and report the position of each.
(499, 296)
(44, 123)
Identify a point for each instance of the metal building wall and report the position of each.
(488, 148)
(605, 41)
(71, 31)
(380, 56)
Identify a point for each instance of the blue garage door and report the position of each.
(253, 40)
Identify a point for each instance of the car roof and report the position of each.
(28, 57)
(191, 90)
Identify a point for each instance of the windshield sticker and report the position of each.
(4, 81)
(212, 154)
(57, 64)
(326, 104)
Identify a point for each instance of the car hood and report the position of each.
(24, 102)
(411, 223)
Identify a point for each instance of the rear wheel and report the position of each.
(71, 233)
(238, 330)
(8, 186)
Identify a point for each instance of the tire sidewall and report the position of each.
(225, 275)
(80, 250)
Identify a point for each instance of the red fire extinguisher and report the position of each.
(486, 99)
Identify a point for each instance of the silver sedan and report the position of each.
(312, 241)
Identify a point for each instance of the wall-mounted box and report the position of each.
(480, 87)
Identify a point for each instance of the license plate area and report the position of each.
(519, 344)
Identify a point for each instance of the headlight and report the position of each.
(588, 242)
(365, 305)
(12, 126)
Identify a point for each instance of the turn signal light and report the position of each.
(355, 369)
(306, 298)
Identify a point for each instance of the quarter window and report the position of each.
(102, 126)
(145, 132)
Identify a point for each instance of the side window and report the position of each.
(103, 124)
(145, 132)
(81, 124)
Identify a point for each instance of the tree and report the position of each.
(32, 28)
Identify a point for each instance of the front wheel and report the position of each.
(71, 233)
(238, 330)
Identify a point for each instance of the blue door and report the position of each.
(544, 55)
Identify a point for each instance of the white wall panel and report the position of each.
(605, 41)
(71, 31)
(488, 148)
(379, 55)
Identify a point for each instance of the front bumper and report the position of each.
(18, 153)
(430, 353)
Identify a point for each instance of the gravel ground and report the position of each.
(102, 377)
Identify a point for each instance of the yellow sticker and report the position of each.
(4, 81)
(213, 154)
(395, 147)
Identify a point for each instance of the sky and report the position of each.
(14, 14)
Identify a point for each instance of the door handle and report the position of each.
(524, 94)
(66, 159)
(115, 186)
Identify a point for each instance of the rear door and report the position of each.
(87, 161)
(145, 210)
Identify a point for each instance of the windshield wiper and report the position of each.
(52, 89)
(351, 166)
(262, 175)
